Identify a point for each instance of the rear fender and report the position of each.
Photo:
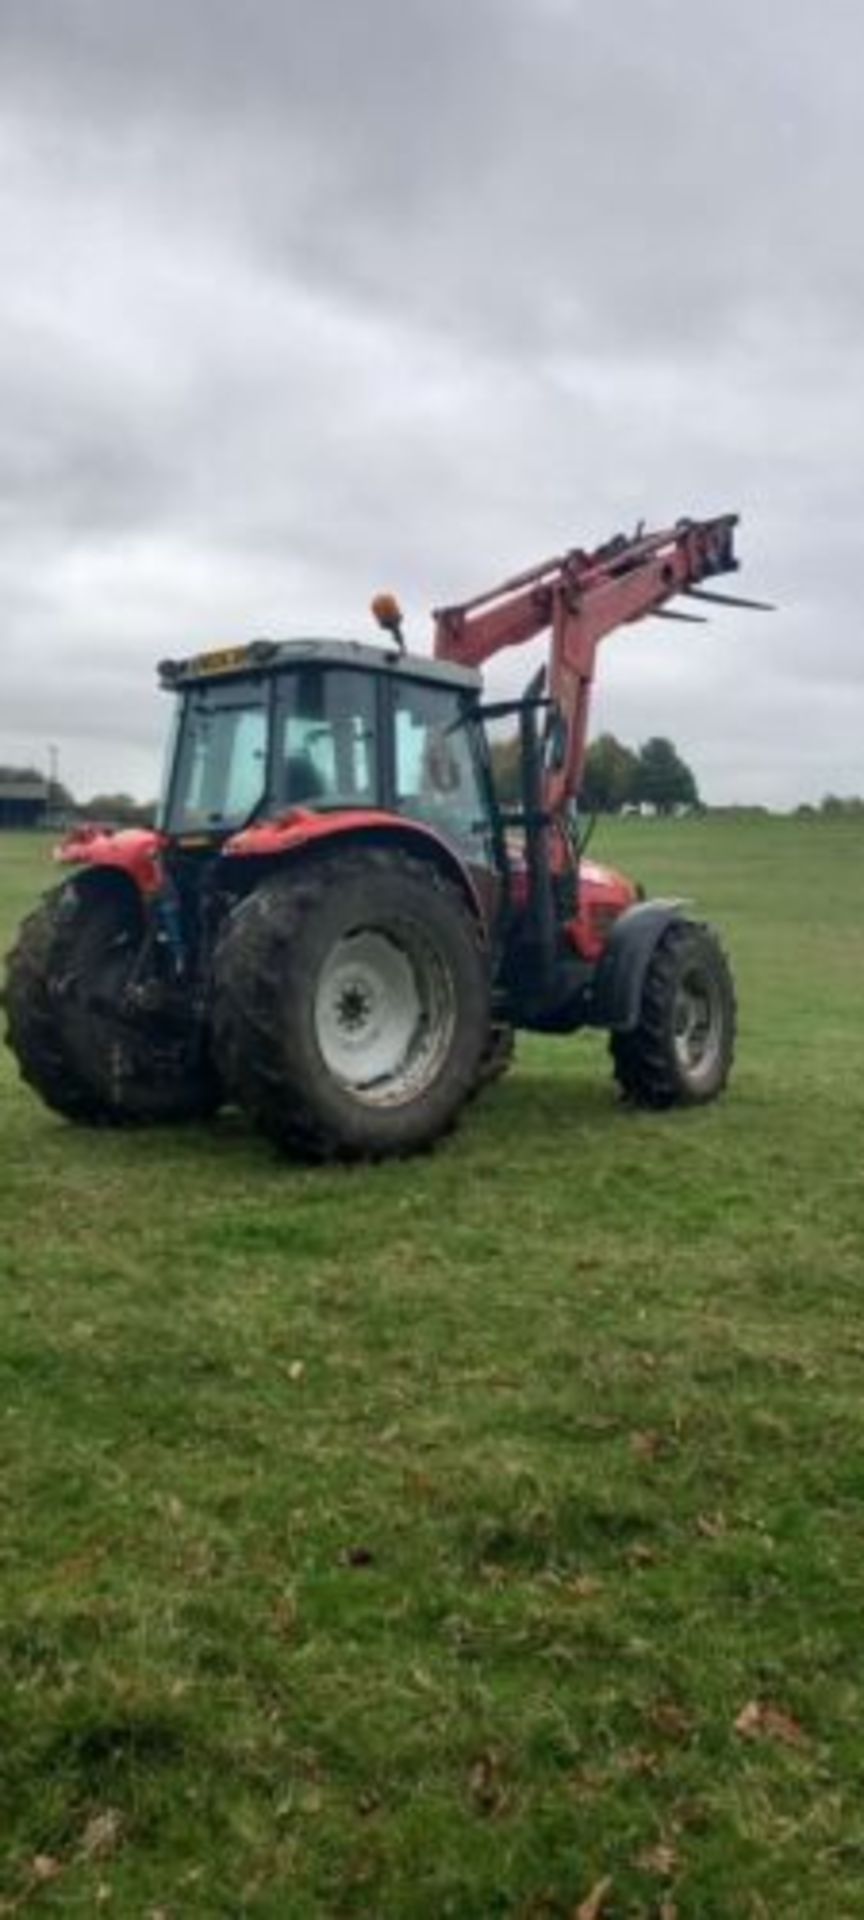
(300, 832)
(133, 851)
(616, 998)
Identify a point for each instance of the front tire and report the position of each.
(66, 1024)
(351, 1005)
(681, 1051)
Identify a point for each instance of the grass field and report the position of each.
(454, 1538)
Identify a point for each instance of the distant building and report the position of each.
(23, 800)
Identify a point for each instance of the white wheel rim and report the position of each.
(384, 1013)
(698, 1024)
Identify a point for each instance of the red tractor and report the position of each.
(337, 923)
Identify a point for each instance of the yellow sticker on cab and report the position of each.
(220, 660)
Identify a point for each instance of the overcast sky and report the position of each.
(303, 298)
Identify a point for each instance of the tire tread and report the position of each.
(253, 963)
(642, 1060)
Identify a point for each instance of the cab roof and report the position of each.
(272, 656)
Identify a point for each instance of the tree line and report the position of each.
(615, 776)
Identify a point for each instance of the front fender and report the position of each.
(616, 998)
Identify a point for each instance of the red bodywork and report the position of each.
(299, 826)
(603, 895)
(137, 851)
(302, 827)
(582, 597)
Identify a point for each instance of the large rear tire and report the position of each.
(351, 1005)
(66, 1024)
(681, 1051)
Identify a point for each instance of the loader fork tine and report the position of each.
(729, 599)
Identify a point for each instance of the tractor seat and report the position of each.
(301, 780)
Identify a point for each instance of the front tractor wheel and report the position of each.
(69, 1023)
(351, 1005)
(681, 1051)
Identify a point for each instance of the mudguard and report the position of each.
(138, 852)
(134, 851)
(300, 829)
(616, 997)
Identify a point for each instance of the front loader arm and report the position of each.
(580, 598)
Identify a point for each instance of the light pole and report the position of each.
(53, 766)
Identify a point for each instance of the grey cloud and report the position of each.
(659, 173)
(299, 302)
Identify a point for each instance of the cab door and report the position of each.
(438, 776)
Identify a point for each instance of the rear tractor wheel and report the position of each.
(69, 1025)
(681, 1051)
(351, 1005)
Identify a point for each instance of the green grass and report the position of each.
(407, 1542)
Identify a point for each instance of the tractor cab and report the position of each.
(326, 727)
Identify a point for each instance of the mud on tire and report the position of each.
(351, 1005)
(681, 1051)
(65, 979)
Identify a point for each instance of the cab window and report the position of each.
(222, 756)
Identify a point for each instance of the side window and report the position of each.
(221, 766)
(326, 745)
(245, 769)
(436, 774)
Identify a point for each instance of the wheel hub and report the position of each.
(384, 1012)
(697, 1023)
(354, 1008)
